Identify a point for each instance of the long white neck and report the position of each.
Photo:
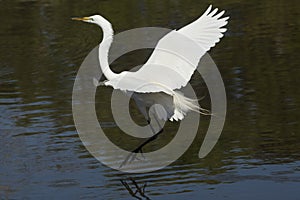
(104, 48)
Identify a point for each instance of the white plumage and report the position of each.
(171, 64)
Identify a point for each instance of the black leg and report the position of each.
(139, 149)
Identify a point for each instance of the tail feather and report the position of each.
(183, 104)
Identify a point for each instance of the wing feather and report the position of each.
(176, 56)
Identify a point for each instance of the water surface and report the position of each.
(41, 155)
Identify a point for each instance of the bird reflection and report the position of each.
(136, 190)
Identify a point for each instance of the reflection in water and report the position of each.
(42, 157)
(138, 192)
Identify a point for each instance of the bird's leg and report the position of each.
(139, 149)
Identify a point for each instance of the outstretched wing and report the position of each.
(176, 56)
(207, 30)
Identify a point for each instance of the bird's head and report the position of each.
(94, 19)
(100, 21)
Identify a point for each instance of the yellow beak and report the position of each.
(81, 18)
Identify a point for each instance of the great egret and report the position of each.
(206, 31)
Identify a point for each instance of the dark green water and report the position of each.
(41, 155)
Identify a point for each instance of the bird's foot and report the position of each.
(133, 155)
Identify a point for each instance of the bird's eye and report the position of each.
(91, 19)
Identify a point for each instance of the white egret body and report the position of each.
(206, 31)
